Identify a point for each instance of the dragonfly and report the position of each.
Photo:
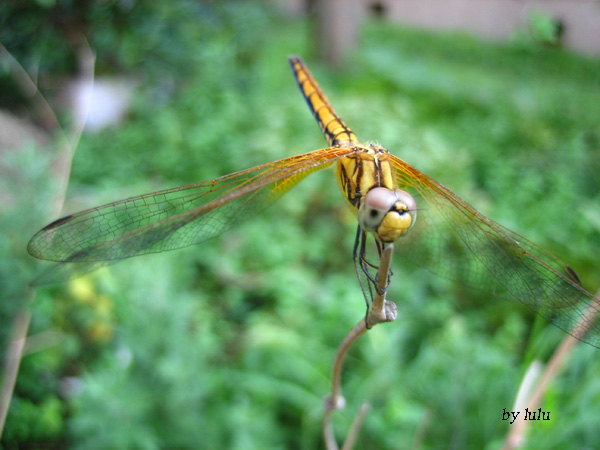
(450, 237)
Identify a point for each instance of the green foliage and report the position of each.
(229, 344)
(541, 29)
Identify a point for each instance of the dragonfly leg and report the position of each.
(359, 266)
(363, 267)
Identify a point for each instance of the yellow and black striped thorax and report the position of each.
(362, 170)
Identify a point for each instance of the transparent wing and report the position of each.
(453, 239)
(173, 218)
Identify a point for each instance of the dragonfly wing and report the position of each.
(173, 218)
(453, 239)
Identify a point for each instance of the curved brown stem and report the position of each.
(381, 311)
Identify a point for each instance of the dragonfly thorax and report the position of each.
(363, 169)
(368, 183)
(387, 214)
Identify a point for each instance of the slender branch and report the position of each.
(516, 436)
(381, 311)
(68, 144)
(62, 164)
(356, 426)
(62, 169)
(30, 88)
(15, 350)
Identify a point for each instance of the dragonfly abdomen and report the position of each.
(335, 130)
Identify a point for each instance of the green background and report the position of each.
(230, 344)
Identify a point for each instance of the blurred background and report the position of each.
(230, 344)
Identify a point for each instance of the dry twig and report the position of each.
(381, 311)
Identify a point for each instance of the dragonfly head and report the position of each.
(387, 214)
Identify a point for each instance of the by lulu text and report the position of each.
(527, 415)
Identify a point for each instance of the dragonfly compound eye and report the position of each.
(388, 214)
